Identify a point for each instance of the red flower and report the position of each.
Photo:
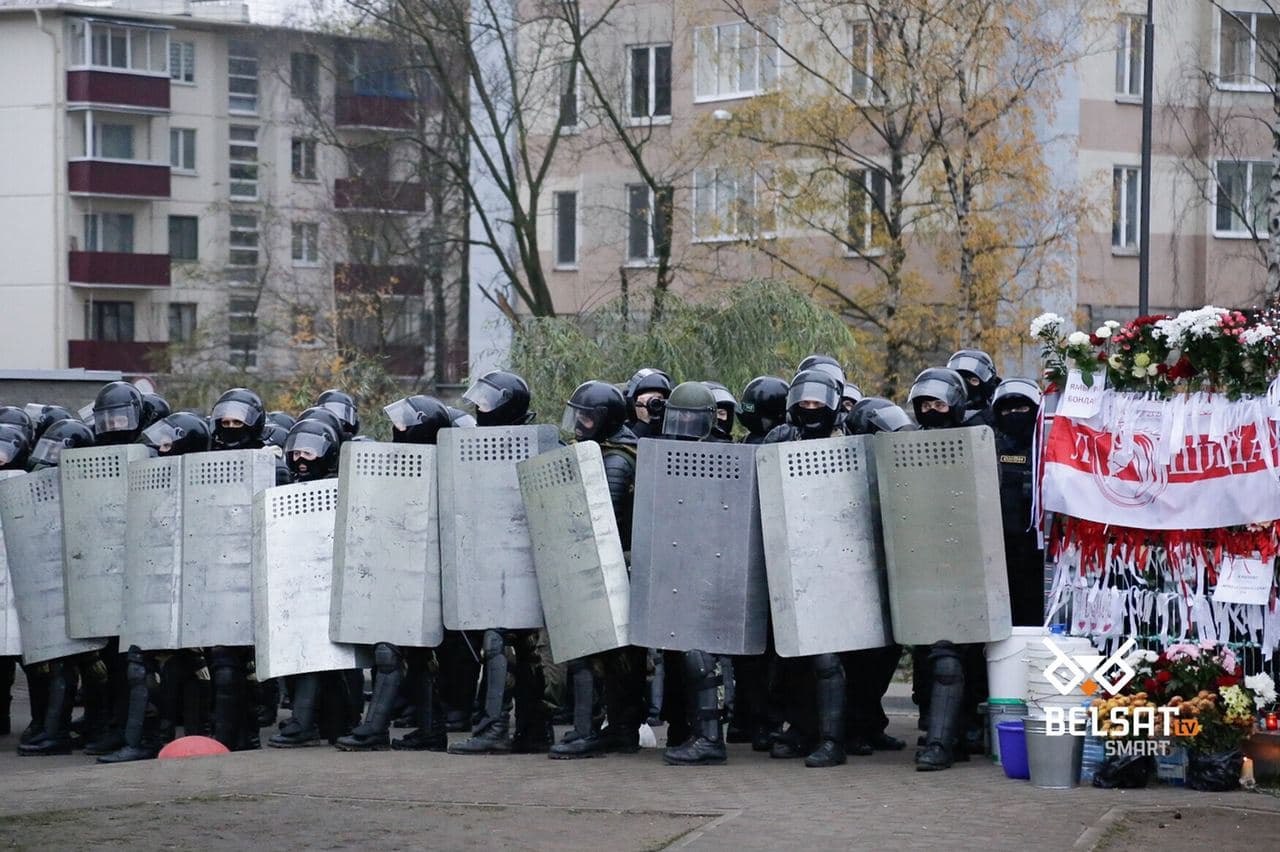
(1162, 369)
(1095, 340)
(1182, 369)
(1164, 676)
(1102, 356)
(1151, 685)
(1162, 660)
(1227, 680)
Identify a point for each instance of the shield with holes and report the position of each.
(820, 517)
(943, 537)
(151, 615)
(217, 544)
(697, 558)
(577, 552)
(293, 582)
(10, 632)
(31, 513)
(95, 493)
(386, 553)
(486, 557)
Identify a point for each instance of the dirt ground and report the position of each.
(1192, 829)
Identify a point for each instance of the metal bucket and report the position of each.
(1054, 761)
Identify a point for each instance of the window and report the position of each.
(306, 243)
(182, 61)
(113, 141)
(566, 222)
(243, 152)
(724, 204)
(111, 321)
(376, 71)
(242, 77)
(866, 201)
(1126, 184)
(244, 239)
(1241, 207)
(304, 76)
(568, 95)
(184, 238)
(1245, 41)
(182, 322)
(650, 82)
(734, 60)
(122, 48)
(304, 158)
(861, 62)
(649, 221)
(1129, 56)
(182, 149)
(108, 232)
(372, 164)
(242, 331)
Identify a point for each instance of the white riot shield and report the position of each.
(10, 632)
(943, 536)
(486, 559)
(217, 544)
(582, 574)
(386, 549)
(697, 559)
(293, 582)
(152, 615)
(31, 513)
(95, 492)
(820, 517)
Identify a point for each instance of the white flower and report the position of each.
(1142, 656)
(1112, 324)
(1139, 372)
(1103, 332)
(1077, 338)
(1115, 361)
(1256, 334)
(1046, 322)
(1153, 369)
(1262, 687)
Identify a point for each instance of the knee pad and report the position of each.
(700, 669)
(224, 667)
(947, 669)
(827, 666)
(492, 646)
(386, 658)
(135, 672)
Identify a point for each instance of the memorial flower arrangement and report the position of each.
(1204, 683)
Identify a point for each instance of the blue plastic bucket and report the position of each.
(1013, 749)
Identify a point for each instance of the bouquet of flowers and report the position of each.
(1203, 682)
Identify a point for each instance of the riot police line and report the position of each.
(180, 570)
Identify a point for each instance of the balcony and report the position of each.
(356, 194)
(118, 269)
(404, 360)
(372, 280)
(129, 357)
(373, 111)
(145, 92)
(118, 177)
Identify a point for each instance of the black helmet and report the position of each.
(14, 447)
(1016, 393)
(825, 364)
(941, 384)
(344, 406)
(594, 411)
(979, 374)
(154, 408)
(324, 415)
(117, 414)
(890, 418)
(417, 419)
(819, 386)
(859, 420)
(311, 450)
(690, 412)
(63, 435)
(50, 414)
(647, 380)
(763, 405)
(501, 399)
(725, 405)
(850, 396)
(180, 433)
(11, 415)
(274, 435)
(245, 406)
(460, 419)
(282, 418)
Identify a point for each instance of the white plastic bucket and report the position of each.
(1007, 665)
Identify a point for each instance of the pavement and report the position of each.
(322, 798)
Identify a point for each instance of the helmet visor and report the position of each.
(308, 445)
(8, 451)
(935, 388)
(47, 451)
(485, 396)
(818, 392)
(162, 435)
(891, 418)
(35, 410)
(970, 364)
(582, 422)
(345, 411)
(687, 422)
(86, 414)
(234, 409)
(401, 414)
(118, 418)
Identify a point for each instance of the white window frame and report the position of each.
(243, 52)
(1252, 71)
(1249, 212)
(562, 70)
(566, 265)
(94, 232)
(735, 234)
(181, 134)
(81, 34)
(651, 251)
(240, 224)
(306, 244)
(739, 29)
(868, 68)
(95, 151)
(186, 331)
(307, 144)
(651, 54)
(1125, 47)
(1128, 187)
(293, 93)
(867, 246)
(235, 159)
(184, 74)
(249, 361)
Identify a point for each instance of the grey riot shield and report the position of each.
(293, 581)
(95, 491)
(944, 545)
(582, 574)
(10, 632)
(386, 549)
(486, 558)
(153, 556)
(820, 516)
(697, 559)
(217, 544)
(31, 512)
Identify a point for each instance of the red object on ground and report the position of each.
(192, 747)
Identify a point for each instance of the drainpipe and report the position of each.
(60, 354)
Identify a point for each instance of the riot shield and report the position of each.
(386, 549)
(582, 574)
(153, 556)
(95, 492)
(486, 558)
(943, 536)
(820, 517)
(10, 632)
(293, 581)
(217, 544)
(697, 558)
(31, 513)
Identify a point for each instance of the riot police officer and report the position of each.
(117, 414)
(1016, 406)
(154, 409)
(763, 406)
(646, 394)
(726, 407)
(15, 446)
(980, 379)
(343, 406)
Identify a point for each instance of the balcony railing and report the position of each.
(110, 268)
(118, 177)
(389, 280)
(373, 111)
(129, 357)
(358, 194)
(118, 88)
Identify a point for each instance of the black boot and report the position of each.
(101, 734)
(8, 669)
(301, 729)
(134, 748)
(584, 740)
(533, 733)
(38, 690)
(942, 745)
(705, 746)
(374, 731)
(229, 691)
(430, 734)
(491, 732)
(831, 697)
(56, 737)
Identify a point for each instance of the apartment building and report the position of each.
(180, 187)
